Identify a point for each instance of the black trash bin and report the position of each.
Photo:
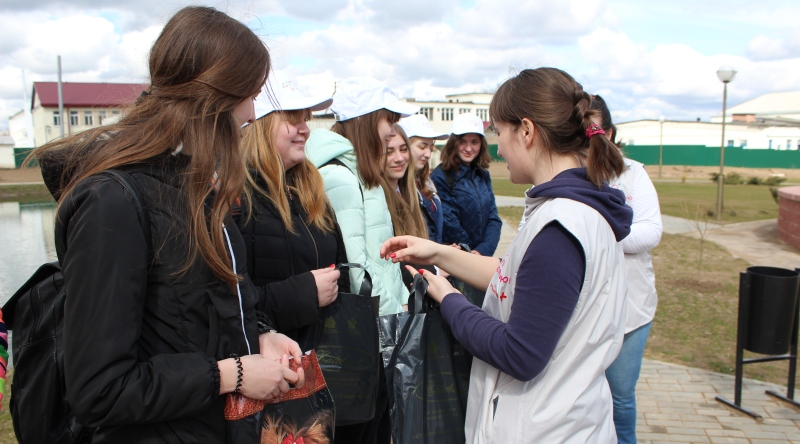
(773, 304)
(768, 324)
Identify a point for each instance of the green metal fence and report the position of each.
(701, 155)
(19, 156)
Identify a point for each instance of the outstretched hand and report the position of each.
(438, 286)
(409, 249)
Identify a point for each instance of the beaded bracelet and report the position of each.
(240, 371)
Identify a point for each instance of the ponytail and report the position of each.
(564, 114)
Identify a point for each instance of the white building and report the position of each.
(763, 134)
(779, 105)
(86, 106)
(6, 151)
(441, 113)
(771, 121)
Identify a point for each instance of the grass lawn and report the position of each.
(695, 324)
(33, 193)
(6, 428)
(743, 203)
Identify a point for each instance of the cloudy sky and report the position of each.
(646, 58)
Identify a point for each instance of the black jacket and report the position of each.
(280, 262)
(142, 343)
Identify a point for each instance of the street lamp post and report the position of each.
(725, 75)
(660, 145)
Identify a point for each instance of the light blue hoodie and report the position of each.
(363, 216)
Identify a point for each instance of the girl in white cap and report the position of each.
(351, 157)
(291, 234)
(420, 144)
(465, 187)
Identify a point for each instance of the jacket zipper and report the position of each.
(316, 250)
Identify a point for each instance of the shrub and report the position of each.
(733, 178)
(774, 180)
(753, 180)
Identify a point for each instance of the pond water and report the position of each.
(26, 242)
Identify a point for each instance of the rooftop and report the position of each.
(87, 94)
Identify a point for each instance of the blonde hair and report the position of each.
(303, 179)
(407, 217)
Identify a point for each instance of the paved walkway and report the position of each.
(677, 403)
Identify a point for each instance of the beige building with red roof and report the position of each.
(86, 105)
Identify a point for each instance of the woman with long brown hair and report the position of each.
(401, 187)
(421, 138)
(553, 318)
(157, 329)
(465, 187)
(351, 158)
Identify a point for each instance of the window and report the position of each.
(464, 110)
(87, 118)
(101, 116)
(114, 112)
(56, 118)
(730, 143)
(483, 114)
(447, 113)
(427, 112)
(73, 118)
(743, 143)
(770, 143)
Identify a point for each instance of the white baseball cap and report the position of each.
(467, 123)
(283, 95)
(358, 96)
(418, 126)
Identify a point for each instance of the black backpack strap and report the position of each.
(129, 183)
(338, 162)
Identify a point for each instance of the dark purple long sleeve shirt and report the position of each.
(545, 294)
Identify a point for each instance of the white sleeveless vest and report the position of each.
(569, 401)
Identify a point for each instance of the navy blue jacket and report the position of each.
(434, 216)
(470, 211)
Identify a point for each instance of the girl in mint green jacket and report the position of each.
(351, 158)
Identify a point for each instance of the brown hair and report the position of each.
(561, 111)
(407, 217)
(370, 149)
(422, 174)
(203, 64)
(451, 161)
(303, 179)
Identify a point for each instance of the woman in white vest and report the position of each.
(641, 296)
(553, 318)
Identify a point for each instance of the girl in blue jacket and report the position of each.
(465, 187)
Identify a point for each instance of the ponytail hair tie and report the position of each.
(593, 130)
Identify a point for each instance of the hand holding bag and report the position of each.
(428, 374)
(301, 415)
(349, 353)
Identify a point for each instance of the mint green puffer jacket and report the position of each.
(363, 216)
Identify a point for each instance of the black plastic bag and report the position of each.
(428, 376)
(346, 342)
(304, 414)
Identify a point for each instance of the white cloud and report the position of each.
(763, 47)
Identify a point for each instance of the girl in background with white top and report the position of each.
(640, 195)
